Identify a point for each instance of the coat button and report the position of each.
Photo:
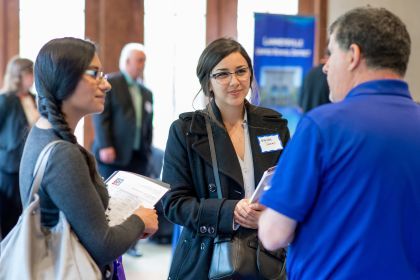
(212, 188)
(211, 229)
(203, 229)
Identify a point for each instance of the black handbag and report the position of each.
(241, 255)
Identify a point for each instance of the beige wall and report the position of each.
(408, 11)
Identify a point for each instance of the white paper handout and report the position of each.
(263, 185)
(128, 191)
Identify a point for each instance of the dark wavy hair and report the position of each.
(382, 37)
(212, 55)
(59, 67)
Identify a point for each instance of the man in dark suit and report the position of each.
(123, 132)
(315, 90)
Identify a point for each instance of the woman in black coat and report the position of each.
(248, 140)
(17, 114)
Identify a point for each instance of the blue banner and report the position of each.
(283, 54)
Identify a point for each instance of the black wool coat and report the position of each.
(14, 128)
(192, 201)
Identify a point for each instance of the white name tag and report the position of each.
(148, 107)
(270, 143)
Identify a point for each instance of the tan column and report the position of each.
(319, 9)
(112, 24)
(9, 33)
(221, 19)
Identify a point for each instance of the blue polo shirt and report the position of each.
(350, 177)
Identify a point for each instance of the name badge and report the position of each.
(270, 143)
(148, 107)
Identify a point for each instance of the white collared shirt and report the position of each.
(247, 164)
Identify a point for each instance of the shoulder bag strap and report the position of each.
(39, 169)
(213, 158)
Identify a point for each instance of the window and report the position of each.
(43, 20)
(174, 39)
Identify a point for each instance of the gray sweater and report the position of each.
(68, 187)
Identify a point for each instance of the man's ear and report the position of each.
(354, 57)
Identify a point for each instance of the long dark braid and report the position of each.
(59, 67)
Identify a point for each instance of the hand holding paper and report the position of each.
(128, 191)
(150, 220)
(263, 185)
(248, 211)
(246, 214)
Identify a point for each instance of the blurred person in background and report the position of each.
(124, 130)
(315, 90)
(17, 115)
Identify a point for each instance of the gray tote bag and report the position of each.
(31, 251)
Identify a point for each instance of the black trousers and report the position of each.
(10, 204)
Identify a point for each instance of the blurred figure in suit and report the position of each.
(315, 90)
(123, 132)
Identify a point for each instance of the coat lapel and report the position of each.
(258, 125)
(226, 155)
(227, 160)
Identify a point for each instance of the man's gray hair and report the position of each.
(126, 51)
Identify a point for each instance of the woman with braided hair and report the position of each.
(70, 85)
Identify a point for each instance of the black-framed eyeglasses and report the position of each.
(96, 74)
(224, 77)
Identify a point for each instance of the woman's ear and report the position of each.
(211, 92)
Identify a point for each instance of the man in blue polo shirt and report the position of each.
(346, 193)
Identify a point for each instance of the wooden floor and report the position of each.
(153, 265)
